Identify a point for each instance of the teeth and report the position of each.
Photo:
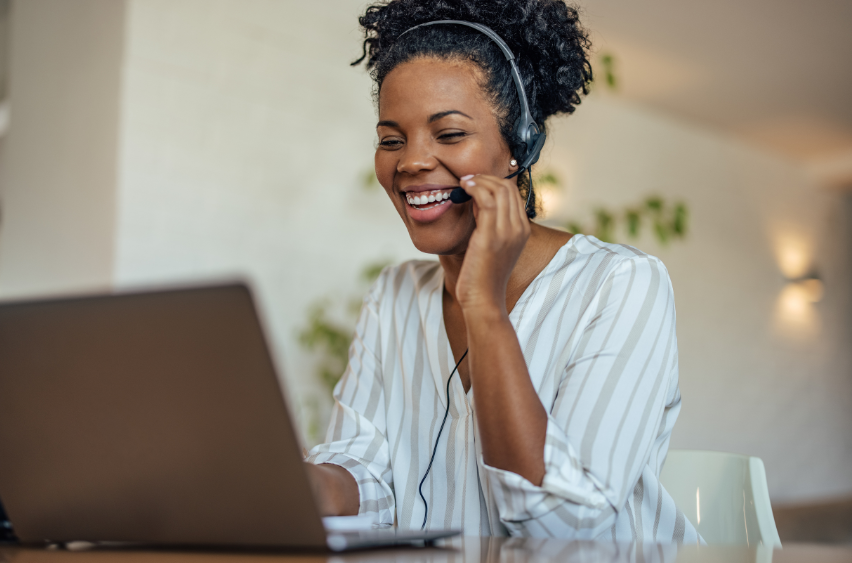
(424, 199)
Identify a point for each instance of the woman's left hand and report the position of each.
(502, 230)
(511, 418)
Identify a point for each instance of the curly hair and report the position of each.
(550, 47)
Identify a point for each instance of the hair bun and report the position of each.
(549, 44)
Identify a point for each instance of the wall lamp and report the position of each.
(809, 287)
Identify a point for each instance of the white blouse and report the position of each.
(597, 329)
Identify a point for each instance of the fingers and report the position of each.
(485, 204)
(505, 202)
(499, 204)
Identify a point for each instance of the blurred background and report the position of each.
(162, 142)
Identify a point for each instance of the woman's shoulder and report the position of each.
(610, 256)
(412, 271)
(594, 247)
(588, 265)
(408, 277)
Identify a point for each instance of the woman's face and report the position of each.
(436, 126)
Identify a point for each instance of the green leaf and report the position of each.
(679, 223)
(633, 219)
(573, 227)
(654, 203)
(662, 232)
(329, 339)
(604, 225)
(369, 180)
(548, 178)
(608, 66)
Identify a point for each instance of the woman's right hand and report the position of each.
(335, 490)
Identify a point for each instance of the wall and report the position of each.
(59, 161)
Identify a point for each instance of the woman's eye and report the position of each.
(390, 143)
(452, 136)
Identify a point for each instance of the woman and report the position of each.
(564, 347)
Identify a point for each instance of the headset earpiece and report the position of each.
(530, 157)
(535, 151)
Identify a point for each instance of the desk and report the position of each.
(482, 550)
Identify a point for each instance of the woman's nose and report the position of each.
(416, 157)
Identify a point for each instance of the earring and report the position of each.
(513, 162)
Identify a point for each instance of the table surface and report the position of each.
(484, 550)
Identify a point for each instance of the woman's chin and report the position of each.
(449, 235)
(440, 245)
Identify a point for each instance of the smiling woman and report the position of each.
(567, 343)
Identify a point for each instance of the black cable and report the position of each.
(435, 450)
(529, 192)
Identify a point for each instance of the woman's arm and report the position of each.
(571, 469)
(511, 419)
(616, 402)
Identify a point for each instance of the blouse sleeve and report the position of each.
(603, 423)
(356, 438)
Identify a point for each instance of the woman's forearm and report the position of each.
(335, 490)
(511, 419)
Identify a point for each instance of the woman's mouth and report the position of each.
(426, 206)
(428, 200)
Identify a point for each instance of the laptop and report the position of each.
(155, 418)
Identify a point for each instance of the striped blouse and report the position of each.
(597, 329)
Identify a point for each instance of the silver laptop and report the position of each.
(154, 418)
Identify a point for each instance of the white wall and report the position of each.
(58, 165)
(243, 139)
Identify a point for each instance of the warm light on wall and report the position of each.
(794, 256)
(803, 288)
(799, 295)
(796, 314)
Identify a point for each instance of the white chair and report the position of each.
(724, 495)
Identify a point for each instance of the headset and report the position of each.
(526, 129)
(533, 137)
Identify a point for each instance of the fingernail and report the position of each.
(468, 177)
(470, 183)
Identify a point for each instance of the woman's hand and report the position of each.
(502, 230)
(335, 490)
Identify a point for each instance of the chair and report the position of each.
(724, 495)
